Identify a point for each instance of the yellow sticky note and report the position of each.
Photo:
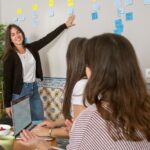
(35, 7)
(19, 11)
(70, 2)
(93, 1)
(51, 3)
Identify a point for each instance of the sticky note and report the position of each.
(118, 26)
(119, 29)
(94, 16)
(51, 13)
(129, 16)
(70, 10)
(118, 22)
(19, 11)
(22, 18)
(70, 3)
(117, 32)
(96, 6)
(147, 2)
(128, 2)
(121, 12)
(93, 1)
(35, 7)
(51, 3)
(15, 19)
(118, 3)
(26, 40)
(34, 15)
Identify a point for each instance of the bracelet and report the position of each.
(50, 132)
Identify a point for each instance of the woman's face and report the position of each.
(16, 36)
(88, 72)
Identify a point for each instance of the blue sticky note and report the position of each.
(94, 16)
(96, 6)
(129, 16)
(118, 22)
(26, 40)
(70, 10)
(147, 2)
(117, 32)
(51, 13)
(118, 3)
(128, 2)
(120, 29)
(118, 26)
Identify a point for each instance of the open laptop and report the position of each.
(21, 116)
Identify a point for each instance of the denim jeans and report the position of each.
(31, 89)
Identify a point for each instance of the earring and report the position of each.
(99, 97)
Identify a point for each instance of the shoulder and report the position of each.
(81, 82)
(88, 113)
(89, 120)
(79, 87)
(84, 118)
(86, 125)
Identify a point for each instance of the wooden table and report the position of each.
(19, 146)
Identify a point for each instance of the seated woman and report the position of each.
(119, 115)
(73, 98)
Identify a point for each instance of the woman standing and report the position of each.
(22, 66)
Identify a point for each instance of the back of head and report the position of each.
(116, 79)
(9, 46)
(75, 70)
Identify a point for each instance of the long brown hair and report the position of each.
(9, 46)
(116, 79)
(75, 71)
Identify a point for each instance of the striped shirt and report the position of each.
(89, 132)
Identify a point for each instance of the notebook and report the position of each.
(21, 116)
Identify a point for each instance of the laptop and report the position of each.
(21, 116)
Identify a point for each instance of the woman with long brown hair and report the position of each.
(75, 79)
(22, 65)
(119, 115)
(74, 90)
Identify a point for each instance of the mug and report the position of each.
(7, 142)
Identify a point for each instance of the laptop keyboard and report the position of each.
(31, 127)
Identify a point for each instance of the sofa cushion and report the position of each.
(51, 92)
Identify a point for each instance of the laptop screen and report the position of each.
(21, 114)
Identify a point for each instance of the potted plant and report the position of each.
(2, 31)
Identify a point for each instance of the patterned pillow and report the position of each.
(51, 91)
(52, 99)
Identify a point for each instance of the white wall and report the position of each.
(53, 55)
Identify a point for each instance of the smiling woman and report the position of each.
(17, 37)
(22, 65)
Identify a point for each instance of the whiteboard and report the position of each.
(53, 55)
